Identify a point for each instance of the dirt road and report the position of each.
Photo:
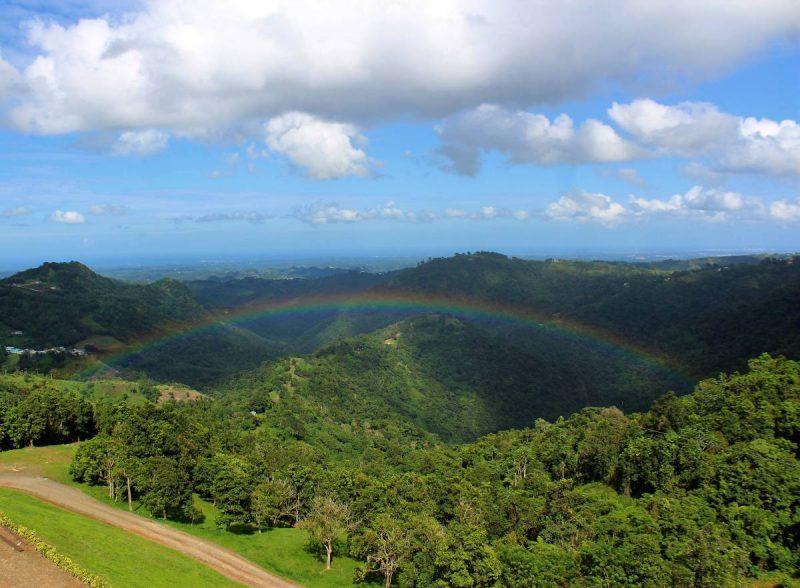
(222, 560)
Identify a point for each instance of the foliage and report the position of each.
(699, 491)
(328, 523)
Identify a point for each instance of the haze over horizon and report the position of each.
(178, 130)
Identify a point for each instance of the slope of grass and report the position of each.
(51, 461)
(280, 550)
(119, 557)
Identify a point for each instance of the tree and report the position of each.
(327, 524)
(165, 486)
(95, 462)
(387, 545)
(270, 502)
(232, 488)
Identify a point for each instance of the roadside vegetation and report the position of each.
(119, 558)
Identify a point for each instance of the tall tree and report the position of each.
(328, 523)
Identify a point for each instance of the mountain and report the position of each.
(450, 378)
(298, 332)
(621, 316)
(67, 304)
(231, 293)
(707, 320)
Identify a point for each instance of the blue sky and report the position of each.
(178, 130)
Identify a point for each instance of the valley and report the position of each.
(528, 405)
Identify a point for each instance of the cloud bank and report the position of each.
(191, 66)
(698, 203)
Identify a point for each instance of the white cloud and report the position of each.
(785, 210)
(493, 212)
(325, 214)
(108, 210)
(766, 146)
(689, 127)
(643, 206)
(732, 143)
(15, 212)
(144, 142)
(190, 67)
(69, 217)
(699, 203)
(324, 149)
(524, 137)
(321, 213)
(10, 81)
(582, 206)
(702, 203)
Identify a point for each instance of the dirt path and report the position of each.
(22, 565)
(222, 560)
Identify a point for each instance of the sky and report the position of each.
(191, 129)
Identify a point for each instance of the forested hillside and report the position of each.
(709, 320)
(372, 443)
(701, 490)
(62, 304)
(450, 378)
(699, 321)
(67, 304)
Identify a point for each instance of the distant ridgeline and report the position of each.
(604, 332)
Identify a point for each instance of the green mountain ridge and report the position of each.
(447, 377)
(710, 319)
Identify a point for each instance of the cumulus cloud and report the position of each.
(108, 210)
(524, 137)
(191, 67)
(732, 143)
(689, 127)
(582, 206)
(16, 212)
(324, 149)
(699, 203)
(703, 203)
(324, 214)
(10, 80)
(492, 212)
(144, 142)
(785, 210)
(69, 217)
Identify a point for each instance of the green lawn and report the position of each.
(121, 558)
(51, 461)
(281, 550)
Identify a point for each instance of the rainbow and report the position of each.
(405, 305)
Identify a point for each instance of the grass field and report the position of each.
(119, 557)
(51, 461)
(280, 550)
